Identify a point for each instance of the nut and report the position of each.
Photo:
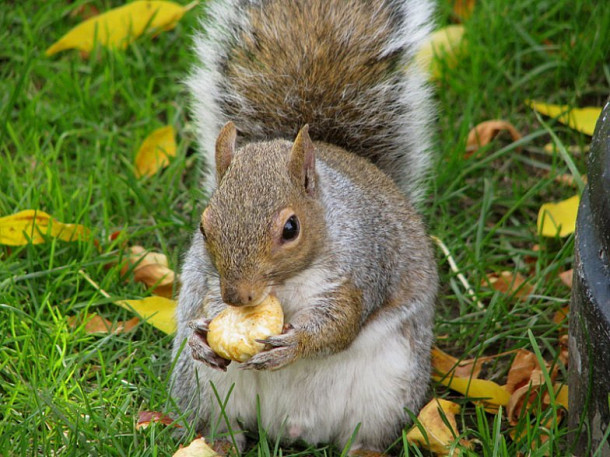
(233, 332)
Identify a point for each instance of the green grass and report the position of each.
(69, 129)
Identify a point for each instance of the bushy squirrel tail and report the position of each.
(345, 67)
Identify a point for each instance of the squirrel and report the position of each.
(316, 121)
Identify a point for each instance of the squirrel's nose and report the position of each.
(241, 294)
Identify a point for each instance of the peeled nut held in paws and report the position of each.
(233, 332)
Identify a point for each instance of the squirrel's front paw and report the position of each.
(284, 349)
(200, 349)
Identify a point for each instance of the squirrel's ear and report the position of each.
(302, 164)
(225, 149)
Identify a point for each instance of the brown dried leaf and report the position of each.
(98, 324)
(145, 418)
(510, 283)
(523, 397)
(463, 8)
(483, 133)
(439, 436)
(151, 269)
(566, 277)
(564, 355)
(84, 11)
(521, 370)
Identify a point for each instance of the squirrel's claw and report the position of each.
(273, 359)
(283, 350)
(289, 337)
(200, 350)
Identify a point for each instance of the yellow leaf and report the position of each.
(31, 226)
(197, 448)
(444, 44)
(580, 119)
(488, 391)
(438, 436)
(558, 218)
(157, 311)
(118, 27)
(561, 395)
(155, 151)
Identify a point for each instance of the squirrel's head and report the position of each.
(264, 223)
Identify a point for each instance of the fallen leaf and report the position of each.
(573, 150)
(98, 324)
(151, 269)
(145, 418)
(483, 133)
(524, 396)
(568, 180)
(447, 365)
(564, 356)
(155, 151)
(438, 436)
(463, 8)
(197, 448)
(487, 392)
(580, 119)
(120, 26)
(566, 277)
(520, 372)
(33, 226)
(85, 11)
(561, 395)
(157, 311)
(510, 283)
(446, 45)
(558, 219)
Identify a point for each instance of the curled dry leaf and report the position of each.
(438, 436)
(510, 283)
(525, 383)
(95, 323)
(566, 277)
(483, 133)
(520, 372)
(33, 226)
(523, 397)
(197, 448)
(145, 418)
(150, 268)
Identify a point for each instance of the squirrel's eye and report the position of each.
(202, 230)
(291, 229)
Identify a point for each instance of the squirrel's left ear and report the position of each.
(225, 149)
(302, 165)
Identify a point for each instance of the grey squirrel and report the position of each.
(326, 221)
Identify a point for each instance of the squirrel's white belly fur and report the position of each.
(324, 399)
